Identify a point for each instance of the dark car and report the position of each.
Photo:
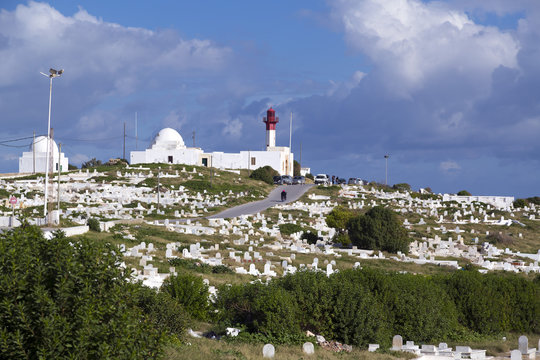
(286, 179)
(299, 180)
(278, 180)
(340, 181)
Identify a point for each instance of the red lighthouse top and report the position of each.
(270, 120)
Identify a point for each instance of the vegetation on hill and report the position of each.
(61, 298)
(265, 173)
(370, 306)
(379, 229)
(463, 193)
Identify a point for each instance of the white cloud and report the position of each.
(174, 120)
(449, 166)
(233, 128)
(78, 159)
(410, 42)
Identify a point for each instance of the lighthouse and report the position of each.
(270, 120)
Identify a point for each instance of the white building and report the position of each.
(35, 160)
(501, 202)
(169, 147)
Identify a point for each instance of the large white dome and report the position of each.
(40, 146)
(168, 139)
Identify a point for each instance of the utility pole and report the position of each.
(124, 153)
(386, 159)
(290, 135)
(136, 137)
(300, 155)
(34, 154)
(59, 172)
(193, 137)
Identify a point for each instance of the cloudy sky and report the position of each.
(450, 89)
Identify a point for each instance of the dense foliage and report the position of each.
(61, 298)
(379, 229)
(370, 306)
(464, 193)
(402, 187)
(265, 173)
(189, 291)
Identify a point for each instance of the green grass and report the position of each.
(202, 348)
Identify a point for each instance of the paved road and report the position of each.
(293, 193)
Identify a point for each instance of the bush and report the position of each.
(379, 229)
(288, 229)
(93, 224)
(402, 187)
(342, 239)
(189, 291)
(310, 176)
(166, 314)
(310, 237)
(464, 193)
(265, 173)
(62, 298)
(91, 163)
(339, 218)
(520, 203)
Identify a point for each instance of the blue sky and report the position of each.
(449, 89)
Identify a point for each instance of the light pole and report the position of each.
(386, 160)
(53, 73)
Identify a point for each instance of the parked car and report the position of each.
(321, 179)
(287, 179)
(299, 180)
(278, 180)
(341, 181)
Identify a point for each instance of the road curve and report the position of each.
(293, 193)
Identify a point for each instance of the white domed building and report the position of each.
(169, 147)
(35, 160)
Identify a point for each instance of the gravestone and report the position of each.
(523, 345)
(515, 355)
(268, 351)
(308, 348)
(397, 342)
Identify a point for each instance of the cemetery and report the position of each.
(163, 220)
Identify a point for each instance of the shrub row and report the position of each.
(370, 306)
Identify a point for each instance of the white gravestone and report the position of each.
(268, 351)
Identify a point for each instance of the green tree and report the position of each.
(65, 298)
(402, 187)
(379, 229)
(189, 291)
(265, 173)
(91, 163)
(339, 218)
(464, 193)
(296, 168)
(520, 203)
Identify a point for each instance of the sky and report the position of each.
(449, 89)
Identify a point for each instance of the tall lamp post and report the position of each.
(53, 73)
(386, 160)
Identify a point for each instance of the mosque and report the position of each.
(35, 160)
(169, 147)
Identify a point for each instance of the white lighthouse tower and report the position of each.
(270, 120)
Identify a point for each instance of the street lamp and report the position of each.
(53, 73)
(386, 159)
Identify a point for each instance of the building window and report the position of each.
(170, 159)
(253, 161)
(56, 166)
(205, 162)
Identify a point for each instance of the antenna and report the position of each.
(290, 135)
(193, 137)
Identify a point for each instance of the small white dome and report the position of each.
(168, 139)
(40, 146)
